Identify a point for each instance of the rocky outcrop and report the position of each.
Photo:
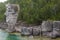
(48, 29)
(11, 16)
(36, 31)
(46, 26)
(50, 34)
(55, 30)
(56, 27)
(3, 25)
(26, 31)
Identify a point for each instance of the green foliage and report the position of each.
(2, 11)
(35, 11)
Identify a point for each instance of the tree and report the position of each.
(2, 11)
(35, 11)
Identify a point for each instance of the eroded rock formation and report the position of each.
(11, 16)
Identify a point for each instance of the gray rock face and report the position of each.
(49, 34)
(11, 15)
(26, 31)
(45, 33)
(56, 27)
(46, 26)
(55, 32)
(36, 31)
(3, 25)
(18, 29)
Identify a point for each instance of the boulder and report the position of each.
(26, 31)
(49, 34)
(45, 33)
(3, 25)
(10, 29)
(36, 31)
(11, 14)
(56, 27)
(18, 29)
(46, 26)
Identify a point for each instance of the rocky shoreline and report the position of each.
(47, 28)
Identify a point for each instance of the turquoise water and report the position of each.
(8, 36)
(3, 35)
(17, 36)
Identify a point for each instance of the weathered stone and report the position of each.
(26, 31)
(56, 26)
(45, 33)
(10, 29)
(11, 15)
(18, 29)
(47, 25)
(3, 25)
(36, 31)
(49, 34)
